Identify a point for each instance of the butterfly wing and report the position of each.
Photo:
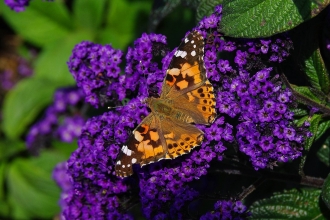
(186, 71)
(146, 145)
(186, 84)
(198, 103)
(180, 137)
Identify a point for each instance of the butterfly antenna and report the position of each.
(123, 102)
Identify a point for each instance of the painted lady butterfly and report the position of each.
(187, 97)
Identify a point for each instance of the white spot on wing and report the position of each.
(128, 165)
(186, 40)
(118, 162)
(192, 41)
(123, 166)
(126, 151)
(194, 46)
(180, 53)
(193, 53)
(134, 160)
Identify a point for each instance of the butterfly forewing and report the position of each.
(186, 70)
(146, 145)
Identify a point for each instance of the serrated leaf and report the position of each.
(325, 195)
(9, 148)
(51, 62)
(323, 127)
(302, 204)
(324, 152)
(24, 102)
(298, 112)
(206, 8)
(88, 14)
(41, 23)
(31, 188)
(263, 18)
(306, 92)
(317, 73)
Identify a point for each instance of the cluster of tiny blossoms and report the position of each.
(96, 70)
(254, 102)
(62, 120)
(224, 210)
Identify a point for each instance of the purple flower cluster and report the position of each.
(96, 70)
(227, 210)
(62, 120)
(17, 5)
(94, 188)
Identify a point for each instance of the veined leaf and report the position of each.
(317, 73)
(302, 204)
(263, 18)
(324, 152)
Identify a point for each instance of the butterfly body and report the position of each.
(187, 98)
(164, 109)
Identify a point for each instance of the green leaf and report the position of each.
(263, 18)
(317, 73)
(65, 149)
(299, 112)
(323, 127)
(23, 103)
(41, 23)
(124, 30)
(32, 190)
(9, 148)
(324, 152)
(88, 14)
(206, 8)
(302, 204)
(51, 62)
(325, 195)
(314, 121)
(305, 91)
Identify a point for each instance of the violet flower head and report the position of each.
(17, 5)
(61, 120)
(227, 210)
(95, 68)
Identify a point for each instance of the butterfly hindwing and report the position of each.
(198, 103)
(180, 137)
